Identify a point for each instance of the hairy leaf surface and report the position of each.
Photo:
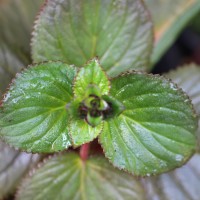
(33, 115)
(81, 132)
(118, 32)
(156, 131)
(188, 78)
(89, 75)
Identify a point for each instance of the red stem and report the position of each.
(84, 151)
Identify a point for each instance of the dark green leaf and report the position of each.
(188, 78)
(181, 184)
(116, 107)
(33, 115)
(156, 131)
(67, 177)
(89, 75)
(118, 32)
(81, 132)
(13, 166)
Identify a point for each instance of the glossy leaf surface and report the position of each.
(155, 132)
(81, 132)
(13, 166)
(188, 78)
(33, 114)
(169, 18)
(181, 184)
(74, 31)
(68, 177)
(91, 74)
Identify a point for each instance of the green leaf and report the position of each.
(118, 32)
(116, 107)
(33, 114)
(181, 184)
(169, 17)
(156, 131)
(68, 177)
(16, 21)
(81, 131)
(91, 74)
(194, 24)
(188, 78)
(13, 166)
(94, 121)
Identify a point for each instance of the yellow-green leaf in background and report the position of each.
(169, 17)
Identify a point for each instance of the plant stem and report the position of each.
(84, 151)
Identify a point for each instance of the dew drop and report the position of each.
(137, 155)
(7, 96)
(179, 157)
(148, 174)
(65, 142)
(14, 101)
(163, 164)
(154, 171)
(172, 86)
(109, 35)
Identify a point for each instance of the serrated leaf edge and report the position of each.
(88, 62)
(189, 102)
(13, 83)
(166, 80)
(35, 24)
(184, 67)
(70, 135)
(143, 176)
(34, 169)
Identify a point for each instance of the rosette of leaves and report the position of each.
(145, 124)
